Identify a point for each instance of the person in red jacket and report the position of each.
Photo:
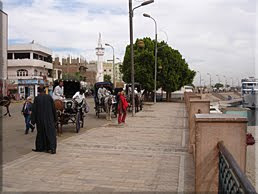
(122, 106)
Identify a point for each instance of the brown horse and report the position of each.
(6, 101)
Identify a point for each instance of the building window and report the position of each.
(10, 56)
(41, 57)
(22, 72)
(35, 72)
(110, 70)
(105, 70)
(35, 56)
(21, 55)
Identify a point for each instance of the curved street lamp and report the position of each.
(156, 52)
(131, 10)
(200, 78)
(210, 78)
(218, 78)
(225, 81)
(120, 63)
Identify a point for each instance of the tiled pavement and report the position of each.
(149, 153)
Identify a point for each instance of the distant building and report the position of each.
(3, 50)
(29, 65)
(71, 66)
(118, 74)
(108, 69)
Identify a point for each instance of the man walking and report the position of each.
(44, 115)
(26, 111)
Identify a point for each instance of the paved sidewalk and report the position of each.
(147, 154)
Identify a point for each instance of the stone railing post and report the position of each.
(197, 106)
(211, 129)
(187, 96)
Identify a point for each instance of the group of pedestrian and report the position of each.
(41, 113)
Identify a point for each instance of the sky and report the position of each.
(214, 36)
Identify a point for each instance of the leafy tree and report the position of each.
(107, 78)
(173, 71)
(73, 76)
(218, 85)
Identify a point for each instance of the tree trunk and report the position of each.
(168, 96)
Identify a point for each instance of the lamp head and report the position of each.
(107, 44)
(146, 15)
(147, 2)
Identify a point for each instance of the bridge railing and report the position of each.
(231, 177)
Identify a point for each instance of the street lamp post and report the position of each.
(131, 10)
(120, 63)
(200, 78)
(156, 51)
(218, 78)
(114, 80)
(225, 81)
(210, 78)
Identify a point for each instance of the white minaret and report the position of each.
(100, 53)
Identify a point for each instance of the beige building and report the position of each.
(118, 74)
(3, 50)
(108, 69)
(29, 65)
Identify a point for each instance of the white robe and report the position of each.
(58, 93)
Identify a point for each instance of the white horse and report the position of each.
(109, 101)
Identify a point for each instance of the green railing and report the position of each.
(231, 178)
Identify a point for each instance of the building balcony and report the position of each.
(29, 63)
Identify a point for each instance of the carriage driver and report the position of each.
(102, 94)
(58, 93)
(79, 97)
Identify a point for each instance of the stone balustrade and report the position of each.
(206, 130)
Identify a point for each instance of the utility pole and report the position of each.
(131, 52)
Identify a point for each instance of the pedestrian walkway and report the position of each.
(149, 153)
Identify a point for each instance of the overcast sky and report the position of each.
(214, 36)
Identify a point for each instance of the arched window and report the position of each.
(22, 72)
(35, 72)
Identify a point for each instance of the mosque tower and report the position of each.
(100, 53)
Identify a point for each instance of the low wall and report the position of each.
(211, 129)
(206, 130)
(196, 106)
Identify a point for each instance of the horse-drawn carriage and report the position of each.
(107, 103)
(138, 96)
(68, 110)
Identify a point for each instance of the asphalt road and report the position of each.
(16, 143)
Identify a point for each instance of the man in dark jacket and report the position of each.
(26, 111)
(44, 115)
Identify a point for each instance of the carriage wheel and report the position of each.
(77, 121)
(82, 120)
(98, 111)
(57, 129)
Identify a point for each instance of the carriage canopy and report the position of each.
(107, 85)
(70, 87)
(137, 86)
